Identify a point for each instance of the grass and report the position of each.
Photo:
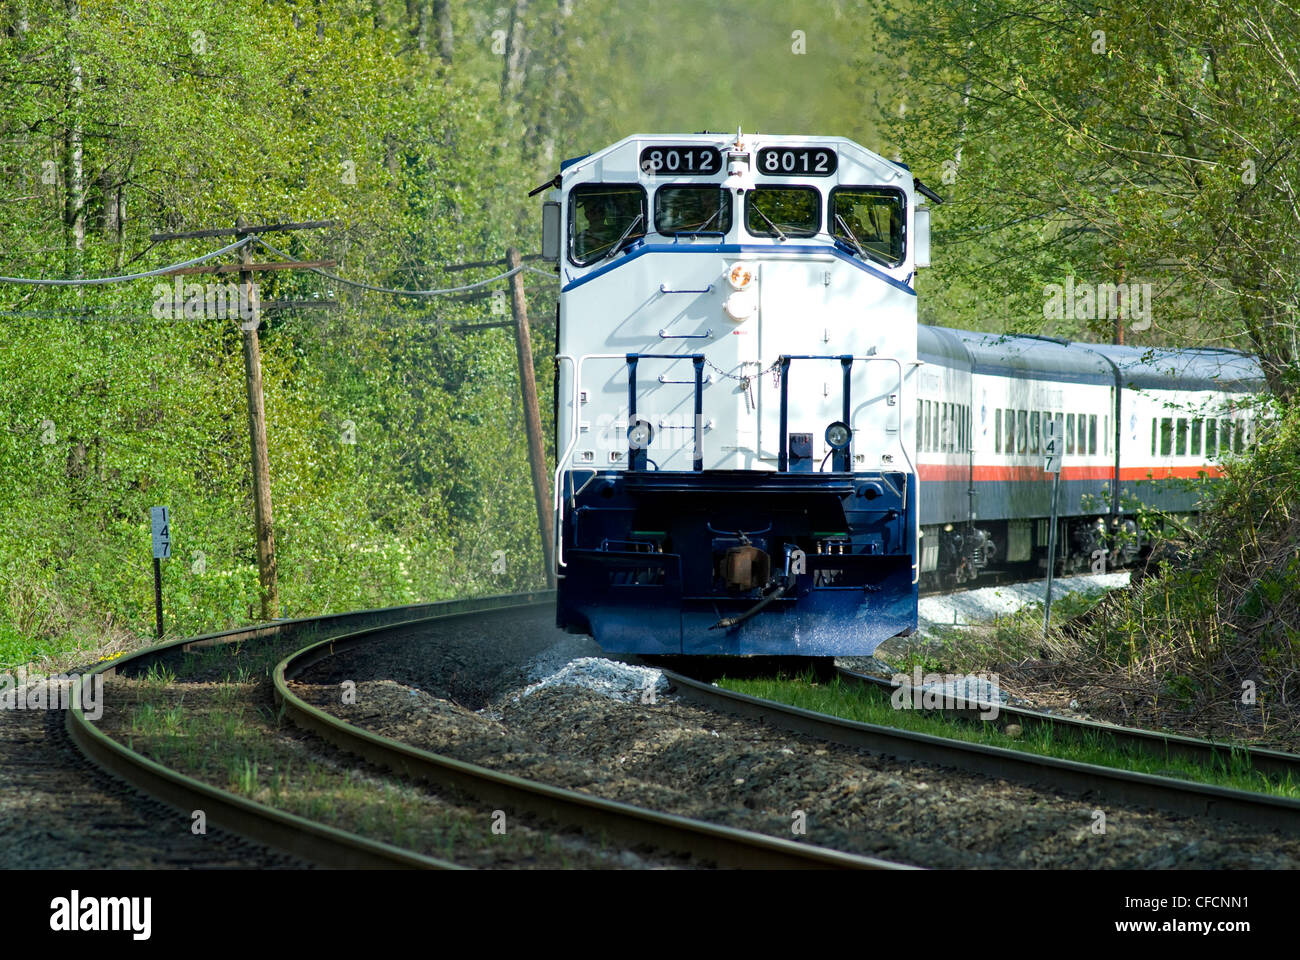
(850, 702)
(225, 735)
(1005, 639)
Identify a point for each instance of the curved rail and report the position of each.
(726, 846)
(1139, 789)
(316, 842)
(1150, 742)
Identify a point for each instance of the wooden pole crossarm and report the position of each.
(300, 304)
(253, 267)
(244, 231)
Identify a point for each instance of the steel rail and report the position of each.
(316, 842)
(1116, 786)
(1150, 742)
(725, 846)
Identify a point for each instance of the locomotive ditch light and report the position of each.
(639, 434)
(838, 435)
(740, 276)
(740, 306)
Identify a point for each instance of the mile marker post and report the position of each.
(1052, 465)
(161, 527)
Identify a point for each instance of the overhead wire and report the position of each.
(395, 291)
(91, 281)
(239, 244)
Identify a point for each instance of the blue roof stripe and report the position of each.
(735, 248)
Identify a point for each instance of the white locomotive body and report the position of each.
(736, 388)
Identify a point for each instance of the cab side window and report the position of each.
(604, 217)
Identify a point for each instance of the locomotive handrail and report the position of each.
(635, 454)
(847, 360)
(575, 420)
(558, 553)
(574, 432)
(664, 288)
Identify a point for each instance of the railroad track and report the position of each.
(329, 846)
(725, 846)
(1118, 786)
(1150, 742)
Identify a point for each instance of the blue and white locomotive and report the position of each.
(736, 394)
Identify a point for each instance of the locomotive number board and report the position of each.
(683, 161)
(797, 161)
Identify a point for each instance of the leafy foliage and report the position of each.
(1113, 144)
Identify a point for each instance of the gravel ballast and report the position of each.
(459, 690)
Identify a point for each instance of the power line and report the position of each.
(90, 281)
(239, 244)
(395, 292)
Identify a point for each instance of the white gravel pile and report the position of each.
(618, 681)
(975, 606)
(973, 689)
(567, 648)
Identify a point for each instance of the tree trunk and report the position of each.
(544, 131)
(74, 200)
(516, 58)
(442, 19)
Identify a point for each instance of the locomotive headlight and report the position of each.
(741, 305)
(838, 435)
(740, 276)
(639, 435)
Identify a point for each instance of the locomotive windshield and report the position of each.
(783, 212)
(603, 217)
(692, 209)
(871, 220)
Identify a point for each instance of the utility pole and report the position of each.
(532, 416)
(264, 531)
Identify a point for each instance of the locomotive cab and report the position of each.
(737, 346)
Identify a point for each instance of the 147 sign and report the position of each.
(161, 524)
(1052, 445)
